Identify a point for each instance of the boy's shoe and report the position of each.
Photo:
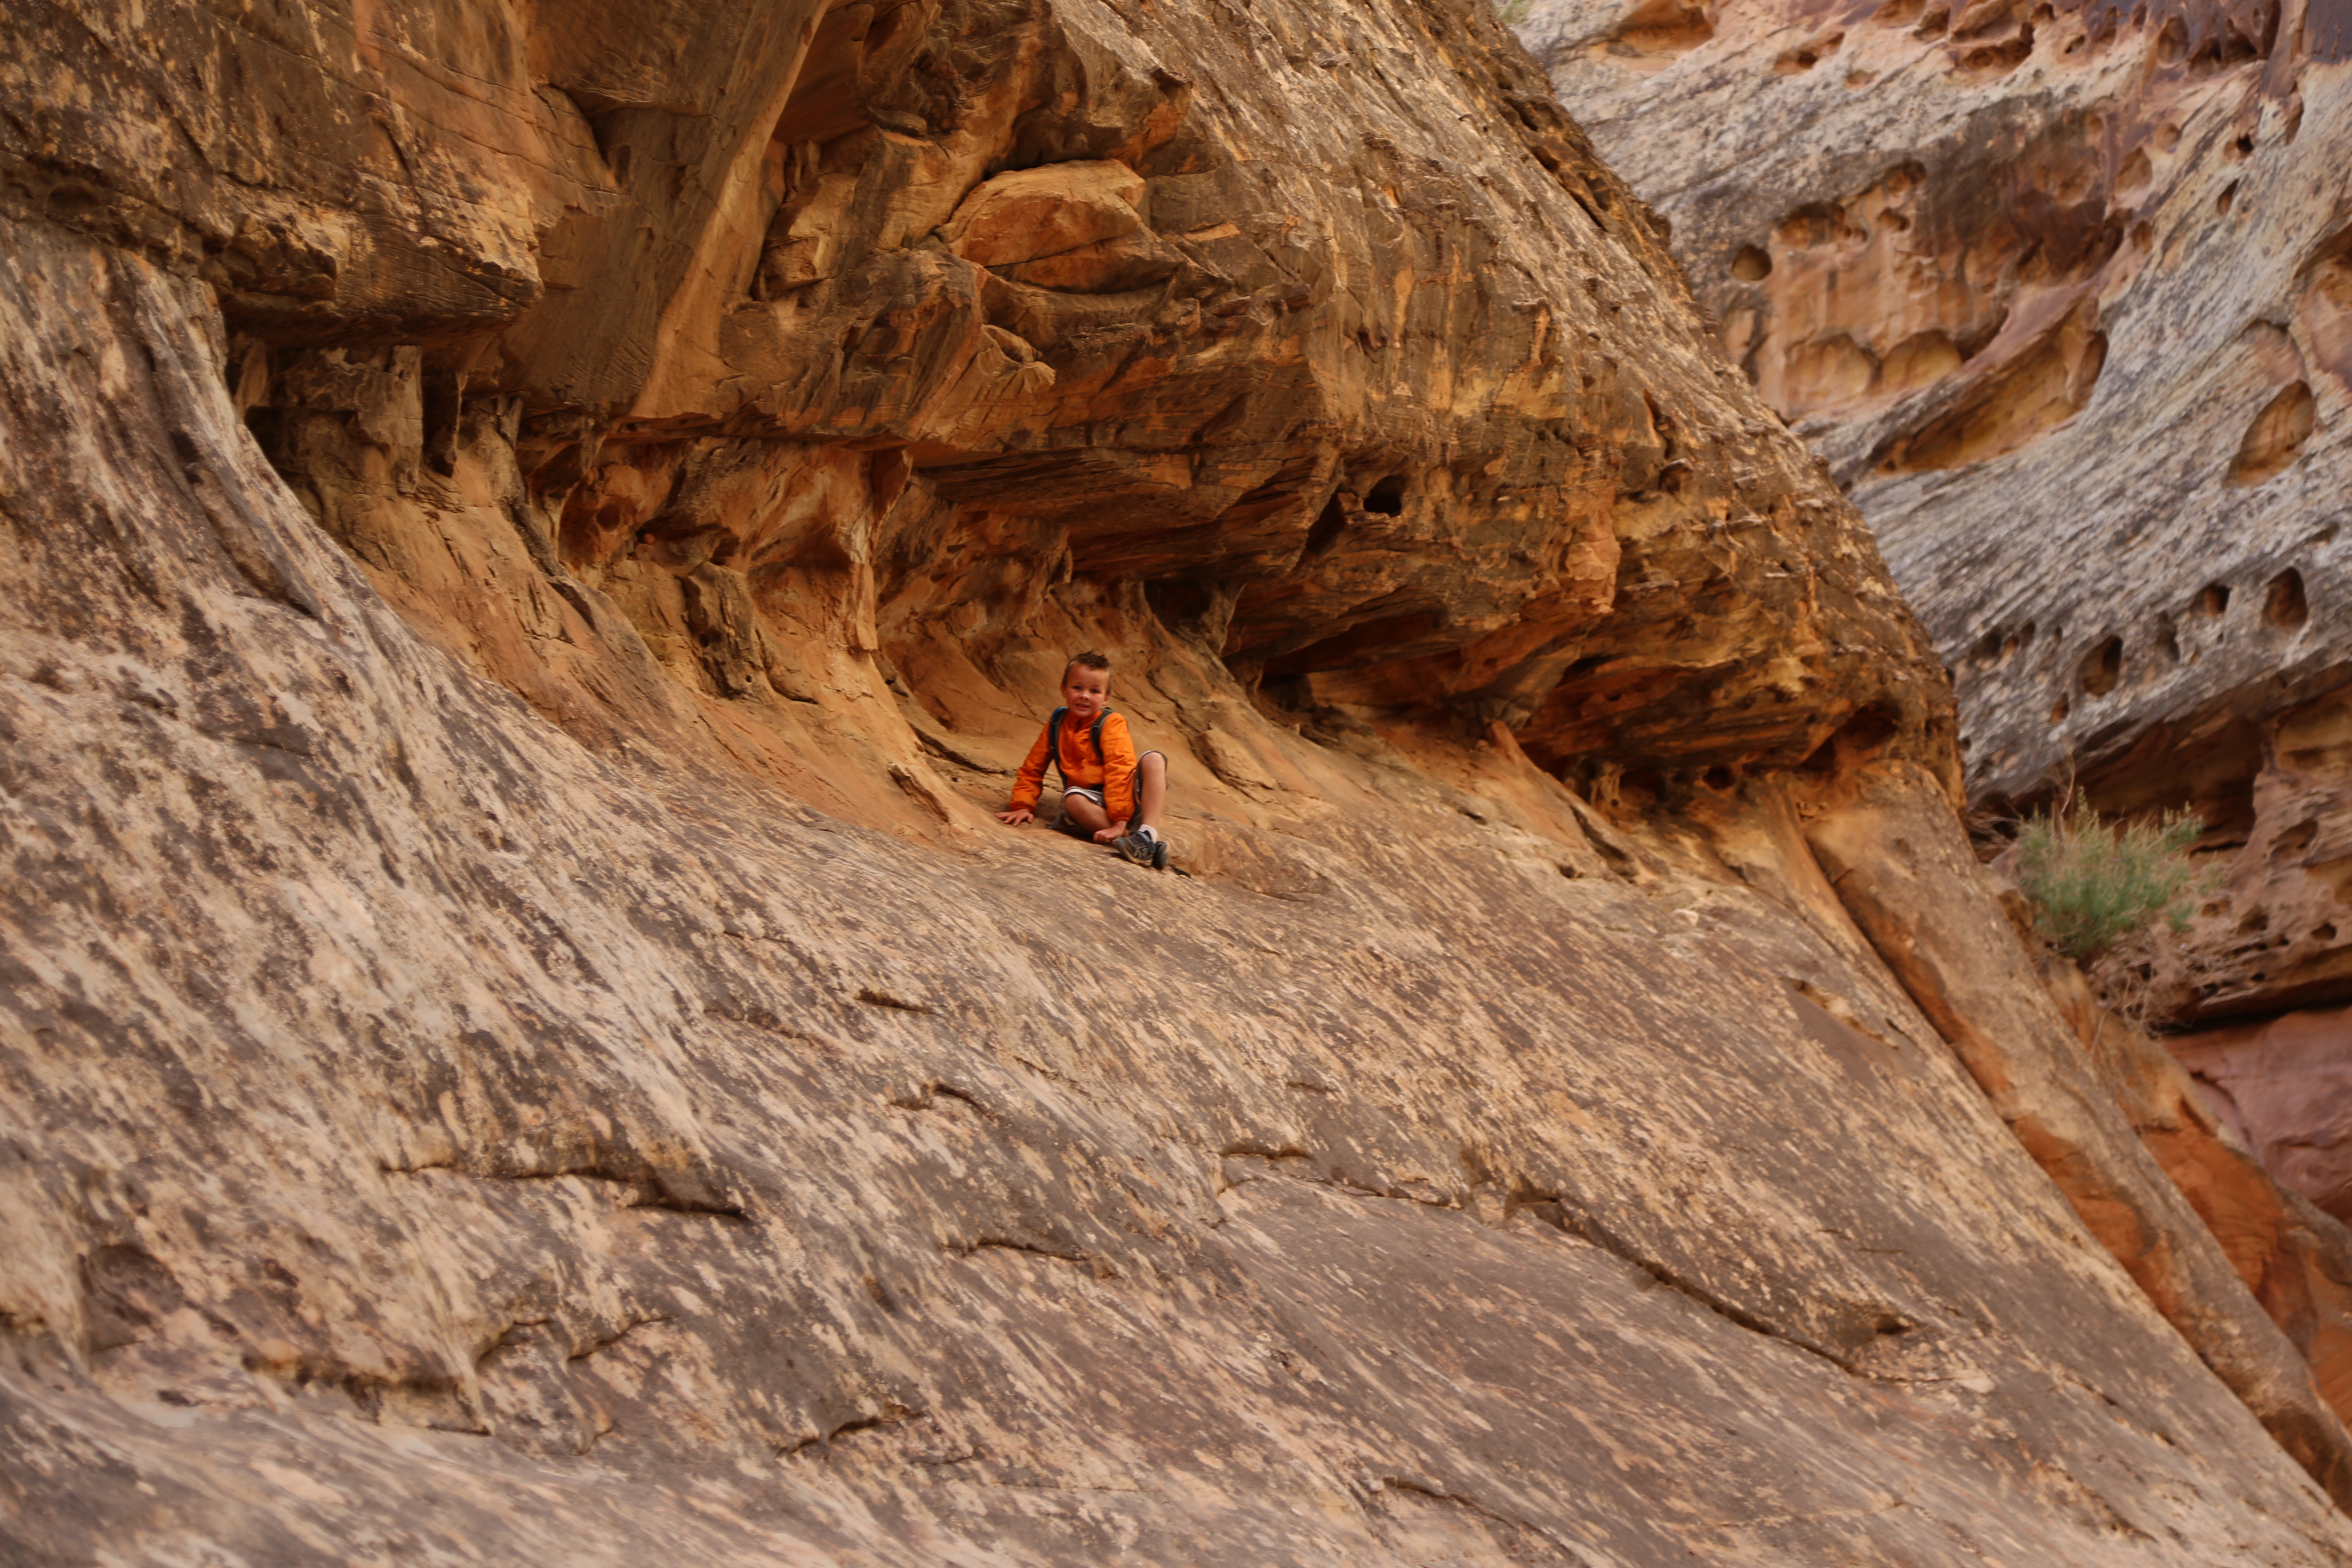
(1135, 847)
(1158, 853)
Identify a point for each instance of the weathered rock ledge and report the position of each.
(533, 541)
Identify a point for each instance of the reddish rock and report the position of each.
(2293, 1254)
(2284, 1087)
(1895, 859)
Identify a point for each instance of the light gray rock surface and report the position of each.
(2061, 296)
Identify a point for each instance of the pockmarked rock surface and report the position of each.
(534, 541)
(2058, 289)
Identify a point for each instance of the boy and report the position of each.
(1108, 793)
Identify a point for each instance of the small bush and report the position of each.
(2093, 883)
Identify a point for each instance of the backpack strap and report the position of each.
(1097, 735)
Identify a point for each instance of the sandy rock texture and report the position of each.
(534, 539)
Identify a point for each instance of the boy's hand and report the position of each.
(1016, 817)
(1115, 830)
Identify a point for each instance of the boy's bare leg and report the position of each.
(1150, 790)
(1084, 813)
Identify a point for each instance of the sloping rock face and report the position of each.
(534, 539)
(2190, 1107)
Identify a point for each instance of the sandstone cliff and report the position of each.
(535, 537)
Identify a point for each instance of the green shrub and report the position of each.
(2093, 883)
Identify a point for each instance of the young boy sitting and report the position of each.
(1109, 794)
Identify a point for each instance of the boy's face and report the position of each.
(1084, 691)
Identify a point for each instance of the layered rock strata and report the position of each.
(535, 541)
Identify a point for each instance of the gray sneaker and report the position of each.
(1140, 849)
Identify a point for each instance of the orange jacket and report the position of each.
(1113, 772)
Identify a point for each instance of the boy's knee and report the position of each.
(1152, 764)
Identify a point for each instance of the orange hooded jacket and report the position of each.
(1113, 772)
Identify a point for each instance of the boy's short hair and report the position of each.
(1091, 660)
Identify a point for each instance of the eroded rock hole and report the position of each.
(2103, 666)
(1805, 57)
(2230, 48)
(1325, 531)
(2285, 605)
(2172, 44)
(2004, 55)
(2031, 394)
(1641, 789)
(1854, 740)
(2213, 601)
(1178, 601)
(2276, 439)
(1752, 265)
(2226, 200)
(1387, 498)
(1660, 29)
